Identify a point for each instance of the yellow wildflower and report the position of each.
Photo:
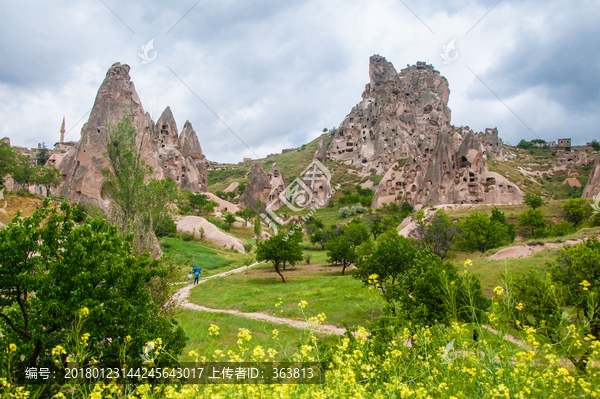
(467, 263)
(303, 304)
(499, 291)
(213, 330)
(12, 347)
(84, 312)
(520, 306)
(585, 284)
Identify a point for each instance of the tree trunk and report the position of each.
(343, 267)
(278, 272)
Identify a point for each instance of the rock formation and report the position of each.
(314, 191)
(403, 117)
(265, 186)
(321, 152)
(193, 224)
(592, 187)
(170, 155)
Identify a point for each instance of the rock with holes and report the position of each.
(264, 186)
(171, 156)
(401, 129)
(448, 177)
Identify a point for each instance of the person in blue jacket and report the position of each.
(196, 276)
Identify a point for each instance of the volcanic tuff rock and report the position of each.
(404, 116)
(264, 186)
(321, 152)
(170, 155)
(592, 187)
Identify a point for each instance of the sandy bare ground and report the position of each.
(182, 297)
(525, 251)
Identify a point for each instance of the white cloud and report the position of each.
(277, 73)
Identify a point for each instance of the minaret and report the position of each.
(62, 131)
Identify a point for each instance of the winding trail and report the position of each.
(182, 298)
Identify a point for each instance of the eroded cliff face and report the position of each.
(592, 187)
(264, 186)
(170, 155)
(398, 112)
(404, 118)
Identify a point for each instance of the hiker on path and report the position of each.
(190, 278)
(196, 276)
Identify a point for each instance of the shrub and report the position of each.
(248, 247)
(344, 212)
(576, 210)
(187, 236)
(308, 258)
(480, 233)
(562, 229)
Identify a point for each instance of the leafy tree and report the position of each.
(341, 247)
(480, 233)
(42, 156)
(406, 207)
(229, 219)
(280, 251)
(8, 160)
(53, 267)
(577, 271)
(339, 250)
(576, 210)
(23, 173)
(439, 234)
(595, 145)
(539, 307)
(377, 227)
(524, 144)
(240, 188)
(318, 237)
(534, 201)
(198, 201)
(499, 216)
(138, 201)
(201, 231)
(412, 278)
(47, 176)
(532, 219)
(357, 232)
(165, 227)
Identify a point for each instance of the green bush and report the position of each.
(576, 210)
(248, 247)
(562, 229)
(187, 236)
(480, 233)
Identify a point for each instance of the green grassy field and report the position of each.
(196, 325)
(212, 258)
(341, 298)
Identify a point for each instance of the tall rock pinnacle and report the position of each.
(81, 169)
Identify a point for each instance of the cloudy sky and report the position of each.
(275, 72)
